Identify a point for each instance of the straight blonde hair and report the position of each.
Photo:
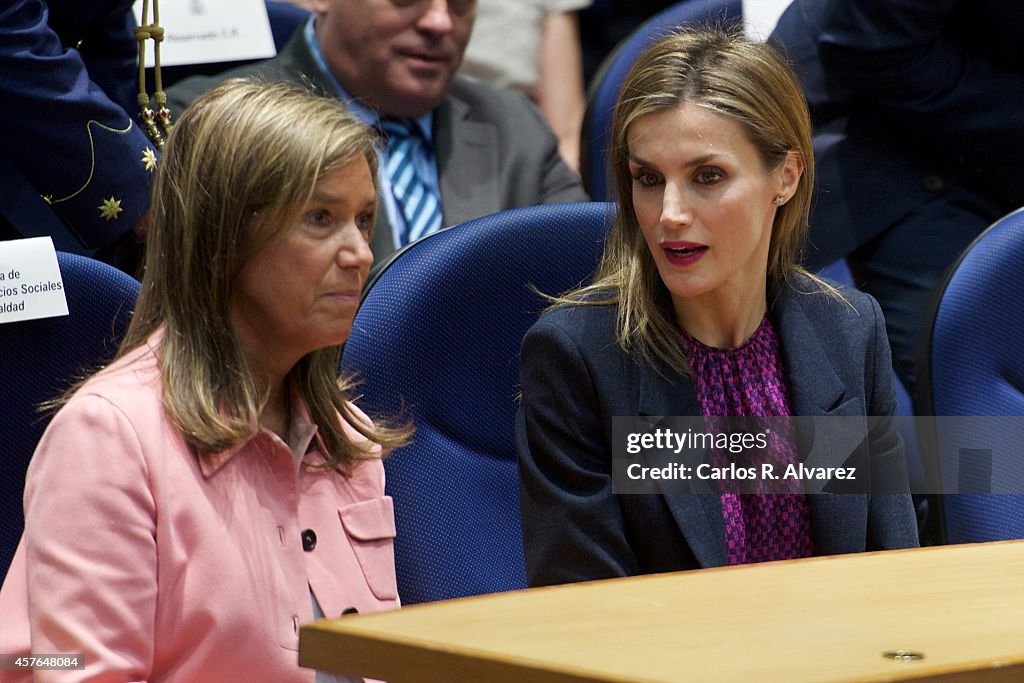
(749, 82)
(237, 169)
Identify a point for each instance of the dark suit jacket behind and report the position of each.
(575, 378)
(909, 98)
(494, 151)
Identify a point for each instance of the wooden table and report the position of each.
(818, 619)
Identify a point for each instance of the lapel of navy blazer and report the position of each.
(815, 391)
(836, 360)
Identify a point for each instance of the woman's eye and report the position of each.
(365, 222)
(709, 176)
(318, 217)
(646, 179)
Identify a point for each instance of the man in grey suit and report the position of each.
(477, 149)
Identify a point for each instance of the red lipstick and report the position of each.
(683, 253)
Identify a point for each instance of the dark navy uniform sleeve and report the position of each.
(66, 78)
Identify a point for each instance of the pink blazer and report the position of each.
(157, 566)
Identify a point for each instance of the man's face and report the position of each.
(396, 56)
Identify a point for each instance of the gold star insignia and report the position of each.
(149, 159)
(110, 208)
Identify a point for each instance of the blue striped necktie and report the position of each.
(420, 205)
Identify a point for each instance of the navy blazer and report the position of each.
(575, 378)
(67, 83)
(909, 98)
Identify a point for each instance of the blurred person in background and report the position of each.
(606, 23)
(534, 47)
(457, 149)
(918, 112)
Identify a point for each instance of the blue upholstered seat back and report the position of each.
(437, 340)
(39, 359)
(974, 365)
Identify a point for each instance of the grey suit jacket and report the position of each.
(494, 150)
(575, 378)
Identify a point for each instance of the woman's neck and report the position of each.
(276, 415)
(723, 324)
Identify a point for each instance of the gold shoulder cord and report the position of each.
(150, 118)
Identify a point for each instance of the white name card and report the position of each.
(761, 16)
(210, 31)
(30, 283)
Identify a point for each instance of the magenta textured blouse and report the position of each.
(750, 381)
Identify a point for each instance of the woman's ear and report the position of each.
(789, 175)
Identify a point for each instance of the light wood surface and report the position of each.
(818, 619)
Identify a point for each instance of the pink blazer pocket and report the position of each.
(370, 525)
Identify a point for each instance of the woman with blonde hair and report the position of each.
(214, 487)
(699, 308)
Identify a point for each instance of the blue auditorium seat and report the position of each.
(42, 358)
(436, 340)
(972, 364)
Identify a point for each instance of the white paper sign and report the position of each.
(30, 283)
(761, 16)
(204, 31)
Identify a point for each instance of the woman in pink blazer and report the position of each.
(212, 489)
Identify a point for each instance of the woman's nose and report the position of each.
(675, 210)
(354, 250)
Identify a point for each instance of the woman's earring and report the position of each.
(778, 200)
